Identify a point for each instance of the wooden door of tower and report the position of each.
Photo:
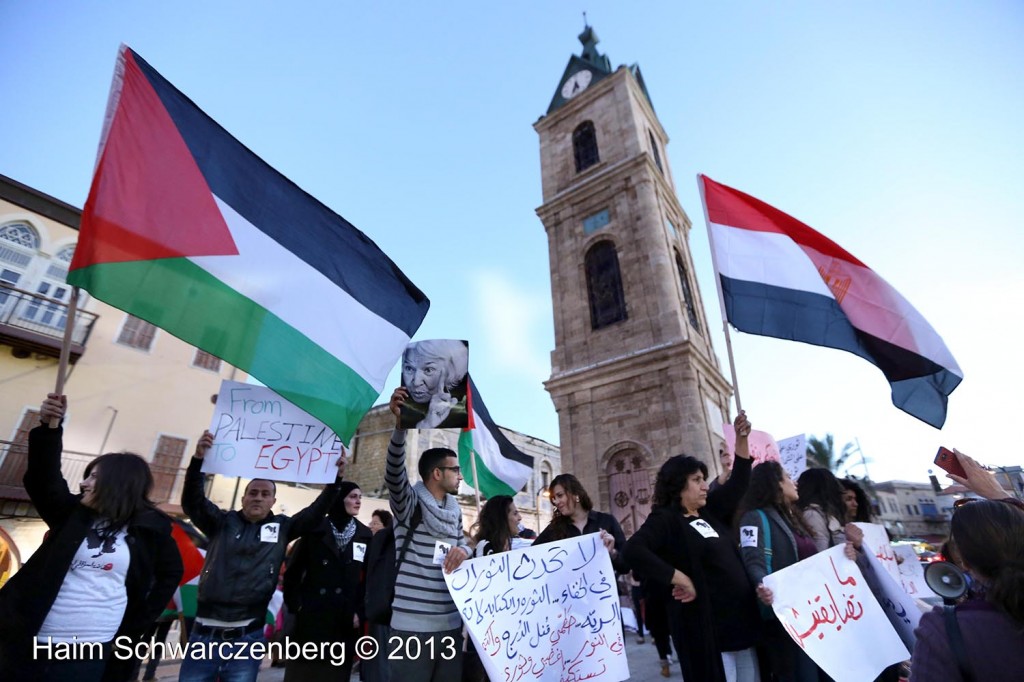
(630, 489)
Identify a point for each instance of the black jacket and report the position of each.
(241, 571)
(668, 541)
(154, 567)
(324, 588)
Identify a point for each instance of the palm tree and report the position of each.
(822, 453)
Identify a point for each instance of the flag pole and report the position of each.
(476, 480)
(65, 349)
(721, 298)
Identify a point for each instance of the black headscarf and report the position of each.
(337, 514)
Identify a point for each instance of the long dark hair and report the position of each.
(765, 492)
(672, 477)
(123, 484)
(573, 488)
(493, 524)
(989, 535)
(571, 485)
(821, 487)
(863, 503)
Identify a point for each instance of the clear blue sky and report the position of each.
(893, 128)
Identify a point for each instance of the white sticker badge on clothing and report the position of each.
(748, 536)
(440, 552)
(358, 551)
(269, 532)
(704, 528)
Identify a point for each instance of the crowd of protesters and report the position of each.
(109, 565)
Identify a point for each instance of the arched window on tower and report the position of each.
(604, 285)
(684, 283)
(584, 146)
(654, 150)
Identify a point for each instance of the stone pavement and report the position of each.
(643, 665)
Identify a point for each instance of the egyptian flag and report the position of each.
(781, 278)
(187, 229)
(502, 468)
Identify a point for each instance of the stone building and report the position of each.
(131, 387)
(634, 377)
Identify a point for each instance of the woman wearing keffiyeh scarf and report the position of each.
(324, 587)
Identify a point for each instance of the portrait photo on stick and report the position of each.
(435, 373)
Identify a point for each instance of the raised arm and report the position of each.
(43, 480)
(310, 517)
(206, 516)
(725, 499)
(402, 496)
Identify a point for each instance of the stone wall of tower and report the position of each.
(633, 393)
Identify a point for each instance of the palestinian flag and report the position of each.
(503, 469)
(781, 278)
(191, 557)
(189, 230)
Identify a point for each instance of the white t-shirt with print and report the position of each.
(92, 600)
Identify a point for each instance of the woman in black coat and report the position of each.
(687, 542)
(105, 571)
(325, 587)
(574, 515)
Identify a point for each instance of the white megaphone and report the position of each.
(946, 580)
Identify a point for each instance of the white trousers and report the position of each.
(741, 666)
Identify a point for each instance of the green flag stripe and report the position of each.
(189, 303)
(490, 485)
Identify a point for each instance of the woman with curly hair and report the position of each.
(574, 515)
(855, 501)
(773, 535)
(821, 503)
(687, 541)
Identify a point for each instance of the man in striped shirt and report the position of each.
(424, 617)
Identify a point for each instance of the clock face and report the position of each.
(576, 83)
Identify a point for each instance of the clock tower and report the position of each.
(633, 375)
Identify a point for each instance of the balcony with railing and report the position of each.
(34, 324)
(14, 461)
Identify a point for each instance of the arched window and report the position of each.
(604, 285)
(584, 146)
(654, 150)
(684, 283)
(22, 234)
(19, 243)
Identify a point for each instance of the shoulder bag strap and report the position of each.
(956, 642)
(417, 516)
(767, 539)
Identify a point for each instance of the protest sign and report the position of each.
(876, 542)
(259, 434)
(826, 606)
(912, 572)
(793, 455)
(763, 447)
(549, 612)
(900, 608)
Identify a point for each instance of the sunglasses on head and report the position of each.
(962, 501)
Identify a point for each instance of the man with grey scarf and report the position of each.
(423, 610)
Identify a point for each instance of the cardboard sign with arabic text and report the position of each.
(827, 607)
(549, 612)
